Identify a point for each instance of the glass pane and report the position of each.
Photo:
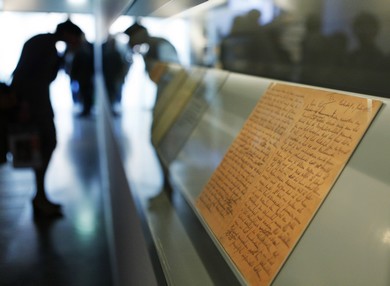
(341, 44)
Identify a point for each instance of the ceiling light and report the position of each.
(77, 2)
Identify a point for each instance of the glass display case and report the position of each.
(349, 232)
(336, 44)
(236, 51)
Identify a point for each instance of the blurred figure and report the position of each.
(314, 48)
(246, 48)
(337, 60)
(247, 23)
(115, 68)
(67, 59)
(8, 103)
(253, 49)
(367, 64)
(324, 57)
(37, 68)
(367, 54)
(81, 72)
(153, 49)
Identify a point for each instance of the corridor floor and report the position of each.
(69, 251)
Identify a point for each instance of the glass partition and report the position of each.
(341, 44)
(334, 44)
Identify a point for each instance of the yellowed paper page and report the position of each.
(174, 107)
(168, 93)
(278, 171)
(157, 71)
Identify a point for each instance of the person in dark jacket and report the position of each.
(82, 71)
(116, 65)
(37, 68)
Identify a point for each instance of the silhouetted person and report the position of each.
(315, 47)
(367, 63)
(157, 49)
(247, 47)
(67, 59)
(247, 23)
(323, 57)
(281, 64)
(254, 49)
(336, 58)
(7, 110)
(115, 68)
(82, 70)
(37, 68)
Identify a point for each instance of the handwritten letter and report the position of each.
(278, 171)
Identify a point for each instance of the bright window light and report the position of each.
(121, 24)
(77, 2)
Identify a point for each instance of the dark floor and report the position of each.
(68, 251)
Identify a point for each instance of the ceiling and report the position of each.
(110, 9)
(160, 8)
(61, 6)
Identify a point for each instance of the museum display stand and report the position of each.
(199, 113)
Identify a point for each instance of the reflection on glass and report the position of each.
(386, 237)
(311, 48)
(341, 44)
(336, 44)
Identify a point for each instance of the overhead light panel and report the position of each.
(77, 2)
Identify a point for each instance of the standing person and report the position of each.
(82, 71)
(367, 64)
(37, 68)
(158, 49)
(115, 68)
